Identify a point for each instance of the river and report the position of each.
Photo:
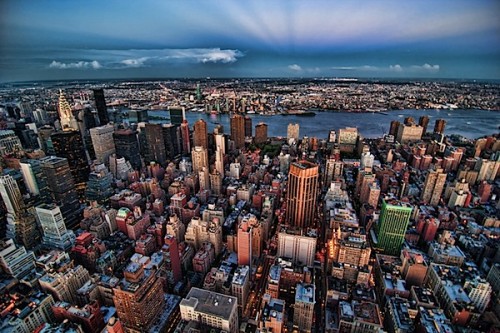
(468, 123)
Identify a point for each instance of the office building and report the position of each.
(391, 229)
(398, 319)
(64, 285)
(34, 179)
(21, 224)
(62, 188)
(127, 146)
(293, 132)
(302, 193)
(102, 140)
(185, 137)
(248, 127)
(211, 309)
(433, 187)
(303, 309)
(55, 234)
(439, 126)
(9, 142)
(238, 131)
(202, 231)
(409, 132)
(260, 133)
(68, 120)
(177, 115)
(15, 261)
(69, 145)
(88, 316)
(200, 134)
(138, 298)
(199, 158)
(272, 316)
(220, 143)
(155, 144)
(424, 122)
(99, 187)
(299, 247)
(170, 251)
(240, 285)
(350, 248)
(100, 105)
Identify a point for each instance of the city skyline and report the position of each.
(53, 40)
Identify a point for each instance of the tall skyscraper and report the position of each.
(100, 105)
(303, 309)
(126, 145)
(393, 222)
(68, 120)
(21, 224)
(424, 122)
(293, 132)
(248, 127)
(185, 137)
(176, 115)
(238, 131)
(55, 234)
(260, 133)
(69, 145)
(245, 243)
(173, 140)
(301, 193)
(102, 140)
(393, 130)
(139, 298)
(155, 143)
(439, 126)
(199, 157)
(62, 188)
(200, 134)
(34, 179)
(172, 260)
(15, 260)
(219, 161)
(220, 142)
(433, 187)
(9, 142)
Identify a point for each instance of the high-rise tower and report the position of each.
(62, 188)
(200, 136)
(393, 222)
(301, 193)
(100, 104)
(433, 187)
(126, 145)
(199, 157)
(238, 131)
(260, 133)
(102, 140)
(68, 120)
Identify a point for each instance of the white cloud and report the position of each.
(426, 67)
(295, 68)
(76, 65)
(139, 62)
(395, 68)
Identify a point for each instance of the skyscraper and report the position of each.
(303, 310)
(100, 105)
(200, 136)
(126, 145)
(293, 132)
(393, 222)
(138, 298)
(260, 133)
(248, 126)
(301, 193)
(34, 179)
(424, 122)
(185, 138)
(62, 188)
(69, 145)
(176, 115)
(199, 157)
(55, 234)
(433, 187)
(102, 140)
(21, 224)
(439, 126)
(220, 142)
(68, 120)
(155, 143)
(238, 131)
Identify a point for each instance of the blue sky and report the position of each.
(45, 39)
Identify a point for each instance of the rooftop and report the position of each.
(305, 293)
(209, 302)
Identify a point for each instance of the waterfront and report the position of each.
(469, 123)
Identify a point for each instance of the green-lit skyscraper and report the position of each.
(393, 222)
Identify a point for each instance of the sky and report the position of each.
(112, 39)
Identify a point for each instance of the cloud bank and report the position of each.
(425, 68)
(136, 58)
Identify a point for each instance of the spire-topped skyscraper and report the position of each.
(68, 120)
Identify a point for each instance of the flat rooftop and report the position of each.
(211, 303)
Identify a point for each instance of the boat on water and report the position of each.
(299, 113)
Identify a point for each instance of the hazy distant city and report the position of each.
(260, 167)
